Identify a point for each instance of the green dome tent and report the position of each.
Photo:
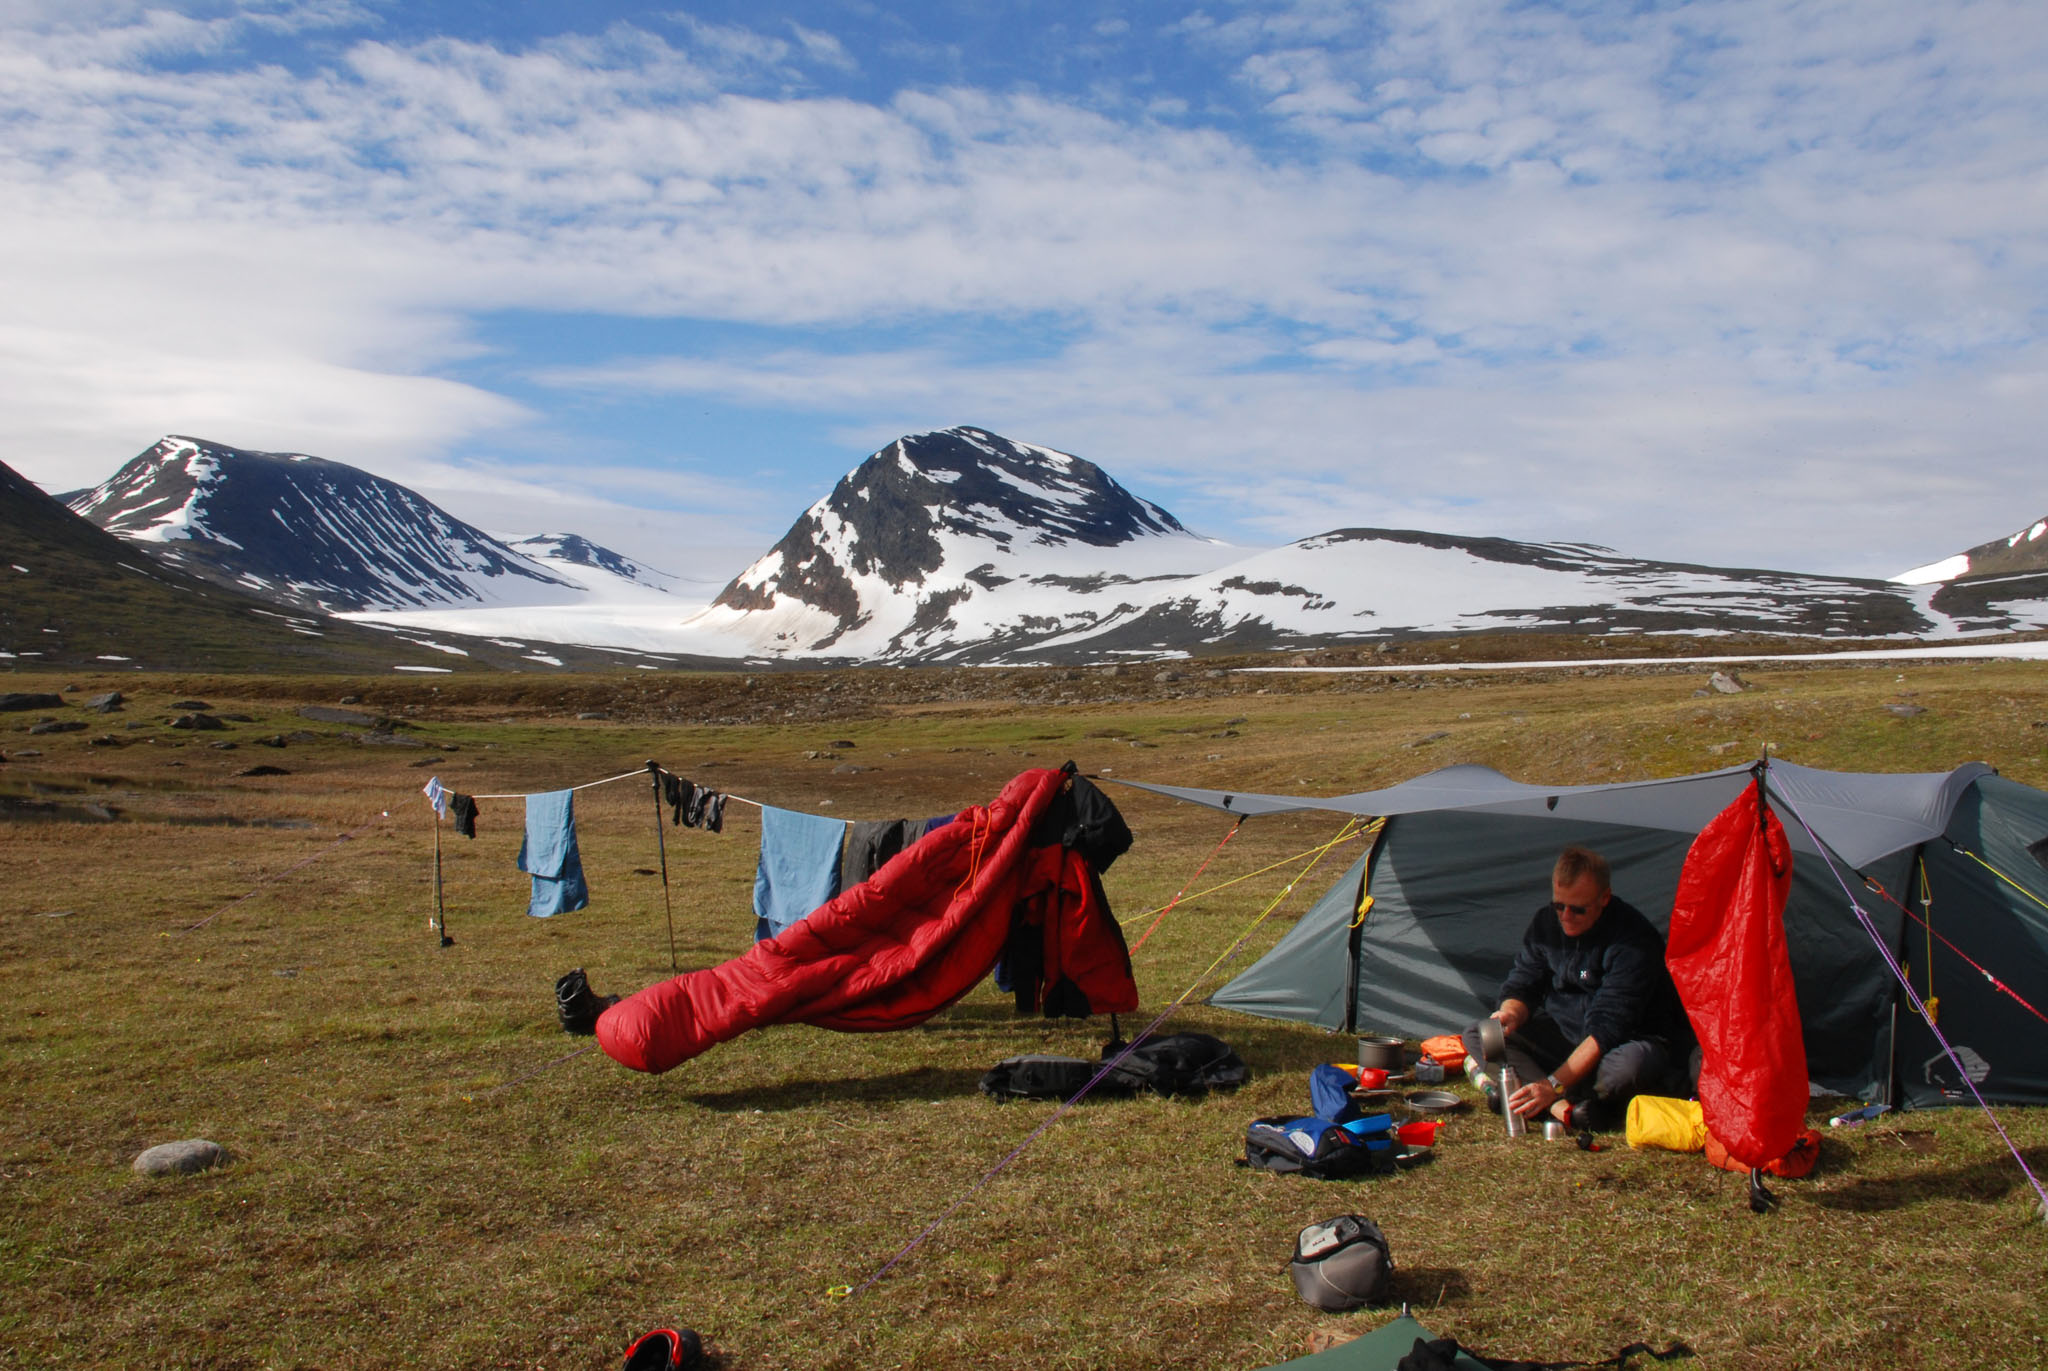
(1465, 855)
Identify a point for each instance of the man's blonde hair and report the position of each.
(1576, 862)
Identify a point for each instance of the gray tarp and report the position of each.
(1860, 816)
(1465, 860)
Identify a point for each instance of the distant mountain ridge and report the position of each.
(316, 534)
(963, 546)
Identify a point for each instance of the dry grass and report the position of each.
(391, 1205)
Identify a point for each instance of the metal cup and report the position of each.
(1553, 1130)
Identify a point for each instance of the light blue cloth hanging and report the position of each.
(549, 855)
(799, 868)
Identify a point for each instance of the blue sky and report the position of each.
(1745, 281)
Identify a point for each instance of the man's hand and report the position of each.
(1512, 1015)
(1533, 1100)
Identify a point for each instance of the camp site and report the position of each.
(292, 950)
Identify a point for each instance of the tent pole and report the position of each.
(1356, 943)
(661, 846)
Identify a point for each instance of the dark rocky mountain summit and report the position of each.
(305, 532)
(923, 523)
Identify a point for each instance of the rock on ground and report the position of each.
(182, 1158)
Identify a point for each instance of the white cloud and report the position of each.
(1502, 250)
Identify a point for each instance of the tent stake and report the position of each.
(661, 846)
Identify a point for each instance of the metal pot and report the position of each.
(1388, 1054)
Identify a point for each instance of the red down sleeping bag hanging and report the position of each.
(1728, 958)
(904, 944)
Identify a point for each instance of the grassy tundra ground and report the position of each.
(405, 1193)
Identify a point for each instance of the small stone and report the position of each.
(200, 722)
(237, 718)
(1903, 711)
(190, 704)
(589, 714)
(848, 769)
(274, 740)
(264, 771)
(105, 740)
(1167, 675)
(105, 704)
(840, 742)
(58, 726)
(185, 1158)
(223, 747)
(1727, 683)
(21, 752)
(1426, 739)
(351, 699)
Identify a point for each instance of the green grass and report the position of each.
(393, 1202)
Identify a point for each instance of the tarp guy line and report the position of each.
(1250, 875)
(846, 1291)
(1168, 909)
(1913, 998)
(1976, 965)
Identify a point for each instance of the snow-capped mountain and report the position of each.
(314, 534)
(962, 546)
(946, 539)
(574, 558)
(2025, 551)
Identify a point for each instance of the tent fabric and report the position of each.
(2003, 929)
(1452, 896)
(1861, 817)
(899, 947)
(1379, 1350)
(1728, 957)
(1453, 888)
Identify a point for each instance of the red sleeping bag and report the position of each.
(1727, 956)
(902, 945)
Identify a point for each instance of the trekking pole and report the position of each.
(661, 846)
(440, 918)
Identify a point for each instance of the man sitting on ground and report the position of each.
(1591, 1016)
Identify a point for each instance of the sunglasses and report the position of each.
(1579, 910)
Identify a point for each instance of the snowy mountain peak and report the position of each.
(564, 551)
(305, 531)
(908, 538)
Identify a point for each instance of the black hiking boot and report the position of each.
(578, 1005)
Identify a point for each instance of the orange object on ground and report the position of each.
(1421, 1133)
(1446, 1050)
(1794, 1164)
(1371, 1078)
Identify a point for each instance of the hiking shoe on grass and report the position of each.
(665, 1349)
(578, 1006)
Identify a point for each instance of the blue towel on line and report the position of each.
(799, 868)
(549, 855)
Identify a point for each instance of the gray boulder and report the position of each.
(184, 1158)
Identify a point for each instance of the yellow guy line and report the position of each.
(1315, 852)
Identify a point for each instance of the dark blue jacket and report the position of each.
(1610, 985)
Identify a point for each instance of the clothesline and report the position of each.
(587, 785)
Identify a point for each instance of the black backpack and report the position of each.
(1316, 1148)
(1343, 1263)
(1178, 1064)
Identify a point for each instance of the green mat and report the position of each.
(1379, 1350)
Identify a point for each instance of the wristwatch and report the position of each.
(1555, 1084)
